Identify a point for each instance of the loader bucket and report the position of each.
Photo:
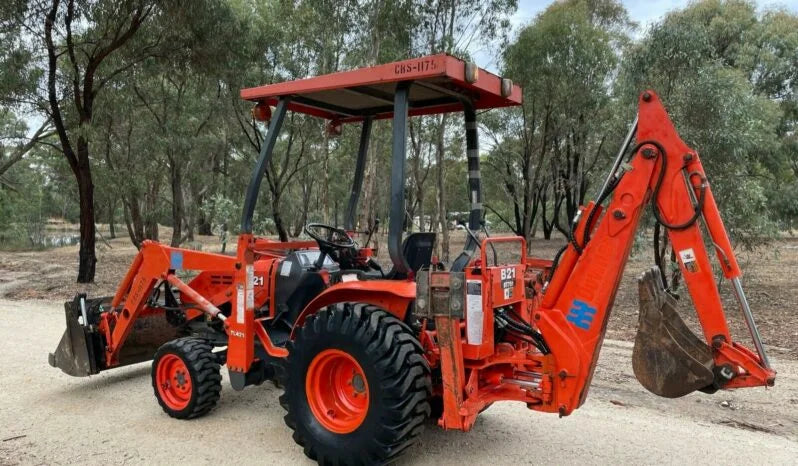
(81, 351)
(668, 359)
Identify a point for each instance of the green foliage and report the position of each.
(168, 127)
(33, 192)
(728, 80)
(545, 154)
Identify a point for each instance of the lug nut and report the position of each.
(646, 96)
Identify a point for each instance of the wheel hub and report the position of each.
(180, 378)
(337, 391)
(173, 382)
(358, 384)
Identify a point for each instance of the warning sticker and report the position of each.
(250, 286)
(688, 260)
(285, 269)
(240, 304)
(474, 315)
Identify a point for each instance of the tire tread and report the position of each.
(404, 378)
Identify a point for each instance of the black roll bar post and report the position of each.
(266, 149)
(396, 220)
(357, 182)
(474, 186)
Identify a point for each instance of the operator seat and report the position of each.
(417, 249)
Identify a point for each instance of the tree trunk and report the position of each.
(151, 219)
(325, 187)
(204, 226)
(111, 219)
(129, 225)
(87, 258)
(133, 219)
(135, 227)
(224, 237)
(190, 223)
(176, 178)
(335, 213)
(366, 209)
(203, 221)
(548, 227)
(421, 217)
(307, 190)
(279, 225)
(84, 101)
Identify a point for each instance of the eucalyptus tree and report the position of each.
(545, 152)
(71, 45)
(728, 77)
(455, 27)
(17, 84)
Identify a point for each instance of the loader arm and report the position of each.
(128, 328)
(574, 312)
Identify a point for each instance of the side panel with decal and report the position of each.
(581, 314)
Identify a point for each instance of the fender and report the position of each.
(392, 295)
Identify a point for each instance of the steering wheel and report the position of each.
(330, 240)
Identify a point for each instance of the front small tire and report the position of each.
(357, 386)
(186, 378)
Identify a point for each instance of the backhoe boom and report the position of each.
(575, 310)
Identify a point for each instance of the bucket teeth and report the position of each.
(668, 359)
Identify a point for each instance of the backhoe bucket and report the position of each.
(668, 359)
(81, 351)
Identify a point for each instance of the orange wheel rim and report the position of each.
(174, 382)
(337, 391)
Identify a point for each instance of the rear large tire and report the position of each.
(186, 378)
(357, 386)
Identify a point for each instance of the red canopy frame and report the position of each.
(440, 85)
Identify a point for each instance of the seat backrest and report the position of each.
(417, 249)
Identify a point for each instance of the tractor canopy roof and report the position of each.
(440, 83)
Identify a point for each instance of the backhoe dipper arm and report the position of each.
(575, 309)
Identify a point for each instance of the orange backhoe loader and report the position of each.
(365, 355)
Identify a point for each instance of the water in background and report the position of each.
(46, 240)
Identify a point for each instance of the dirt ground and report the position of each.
(47, 417)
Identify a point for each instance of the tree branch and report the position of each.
(20, 152)
(52, 96)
